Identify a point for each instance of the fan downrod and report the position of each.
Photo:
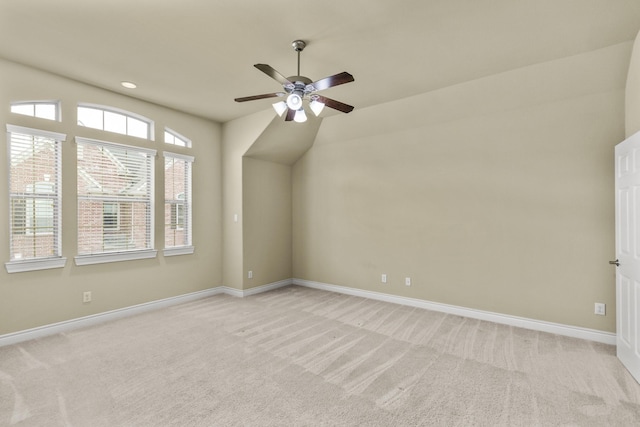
(298, 46)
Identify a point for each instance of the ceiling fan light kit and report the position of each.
(294, 101)
(300, 116)
(316, 106)
(299, 89)
(280, 107)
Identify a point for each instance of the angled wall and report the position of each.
(237, 137)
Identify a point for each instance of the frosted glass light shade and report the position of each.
(316, 107)
(280, 107)
(294, 101)
(300, 116)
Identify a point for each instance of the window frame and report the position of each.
(116, 214)
(187, 205)
(178, 213)
(128, 254)
(31, 209)
(56, 105)
(56, 260)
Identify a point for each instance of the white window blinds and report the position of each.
(115, 197)
(34, 194)
(177, 200)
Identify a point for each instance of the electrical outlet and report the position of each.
(600, 309)
(407, 281)
(250, 274)
(86, 296)
(384, 278)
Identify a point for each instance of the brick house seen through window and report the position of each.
(177, 194)
(114, 198)
(34, 194)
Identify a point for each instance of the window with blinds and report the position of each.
(34, 199)
(177, 204)
(115, 201)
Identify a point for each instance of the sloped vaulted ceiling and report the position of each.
(284, 147)
(197, 55)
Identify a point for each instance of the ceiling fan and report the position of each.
(300, 88)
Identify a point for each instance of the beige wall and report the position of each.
(632, 98)
(496, 194)
(267, 221)
(42, 297)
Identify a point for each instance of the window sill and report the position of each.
(179, 250)
(35, 264)
(115, 257)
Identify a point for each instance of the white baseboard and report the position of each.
(268, 287)
(257, 290)
(94, 319)
(505, 319)
(521, 322)
(82, 322)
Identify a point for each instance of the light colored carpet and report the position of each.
(297, 356)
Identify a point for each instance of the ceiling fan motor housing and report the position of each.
(297, 82)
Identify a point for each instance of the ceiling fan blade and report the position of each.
(336, 105)
(290, 115)
(331, 81)
(254, 97)
(271, 72)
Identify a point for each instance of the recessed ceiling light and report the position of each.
(129, 85)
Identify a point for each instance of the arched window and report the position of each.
(115, 120)
(49, 110)
(174, 138)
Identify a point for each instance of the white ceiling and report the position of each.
(198, 55)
